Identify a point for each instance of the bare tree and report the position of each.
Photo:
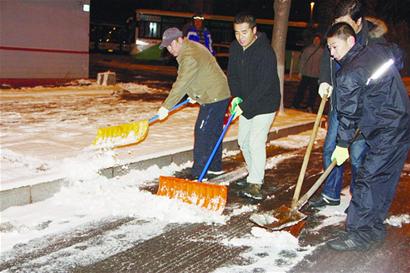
(281, 10)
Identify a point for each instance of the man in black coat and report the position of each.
(253, 81)
(370, 96)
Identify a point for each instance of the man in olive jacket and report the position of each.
(201, 78)
(253, 77)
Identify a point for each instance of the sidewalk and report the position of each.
(46, 136)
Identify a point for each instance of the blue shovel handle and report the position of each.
(154, 118)
(204, 171)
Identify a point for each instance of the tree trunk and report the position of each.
(281, 10)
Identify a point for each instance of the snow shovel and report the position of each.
(285, 216)
(128, 133)
(209, 196)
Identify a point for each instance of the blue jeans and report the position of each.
(357, 151)
(208, 128)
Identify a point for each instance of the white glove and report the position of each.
(325, 90)
(162, 113)
(192, 101)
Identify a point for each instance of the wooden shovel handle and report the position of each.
(308, 152)
(315, 186)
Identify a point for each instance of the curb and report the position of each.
(43, 190)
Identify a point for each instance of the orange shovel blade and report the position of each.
(209, 196)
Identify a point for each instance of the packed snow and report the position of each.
(47, 134)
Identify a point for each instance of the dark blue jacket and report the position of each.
(372, 32)
(380, 108)
(193, 35)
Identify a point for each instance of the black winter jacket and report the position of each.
(380, 108)
(253, 76)
(372, 32)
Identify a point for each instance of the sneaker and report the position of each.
(242, 183)
(345, 242)
(322, 202)
(215, 172)
(253, 191)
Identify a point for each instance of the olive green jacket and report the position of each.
(199, 76)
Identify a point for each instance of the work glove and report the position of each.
(162, 113)
(234, 107)
(325, 90)
(192, 101)
(340, 154)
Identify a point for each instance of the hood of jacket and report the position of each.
(377, 27)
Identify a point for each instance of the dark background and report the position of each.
(117, 11)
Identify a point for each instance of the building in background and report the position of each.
(43, 41)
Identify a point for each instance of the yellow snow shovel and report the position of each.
(128, 133)
(209, 196)
(285, 216)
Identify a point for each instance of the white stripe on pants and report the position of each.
(252, 136)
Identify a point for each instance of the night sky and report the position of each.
(117, 11)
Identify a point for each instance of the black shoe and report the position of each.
(242, 183)
(347, 243)
(323, 201)
(252, 191)
(216, 173)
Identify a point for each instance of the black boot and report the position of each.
(347, 242)
(252, 191)
(322, 202)
(242, 183)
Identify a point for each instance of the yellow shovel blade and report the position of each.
(209, 196)
(122, 135)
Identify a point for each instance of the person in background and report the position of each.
(201, 78)
(196, 31)
(254, 83)
(309, 65)
(370, 96)
(368, 31)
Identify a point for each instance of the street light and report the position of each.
(312, 5)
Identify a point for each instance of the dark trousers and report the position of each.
(208, 128)
(310, 84)
(357, 151)
(374, 190)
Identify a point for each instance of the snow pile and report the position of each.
(98, 198)
(272, 251)
(398, 220)
(334, 215)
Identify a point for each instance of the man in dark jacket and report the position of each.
(368, 31)
(253, 77)
(370, 96)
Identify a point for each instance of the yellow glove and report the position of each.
(340, 154)
(325, 89)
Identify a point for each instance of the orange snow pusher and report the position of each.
(209, 196)
(206, 195)
(126, 134)
(286, 217)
